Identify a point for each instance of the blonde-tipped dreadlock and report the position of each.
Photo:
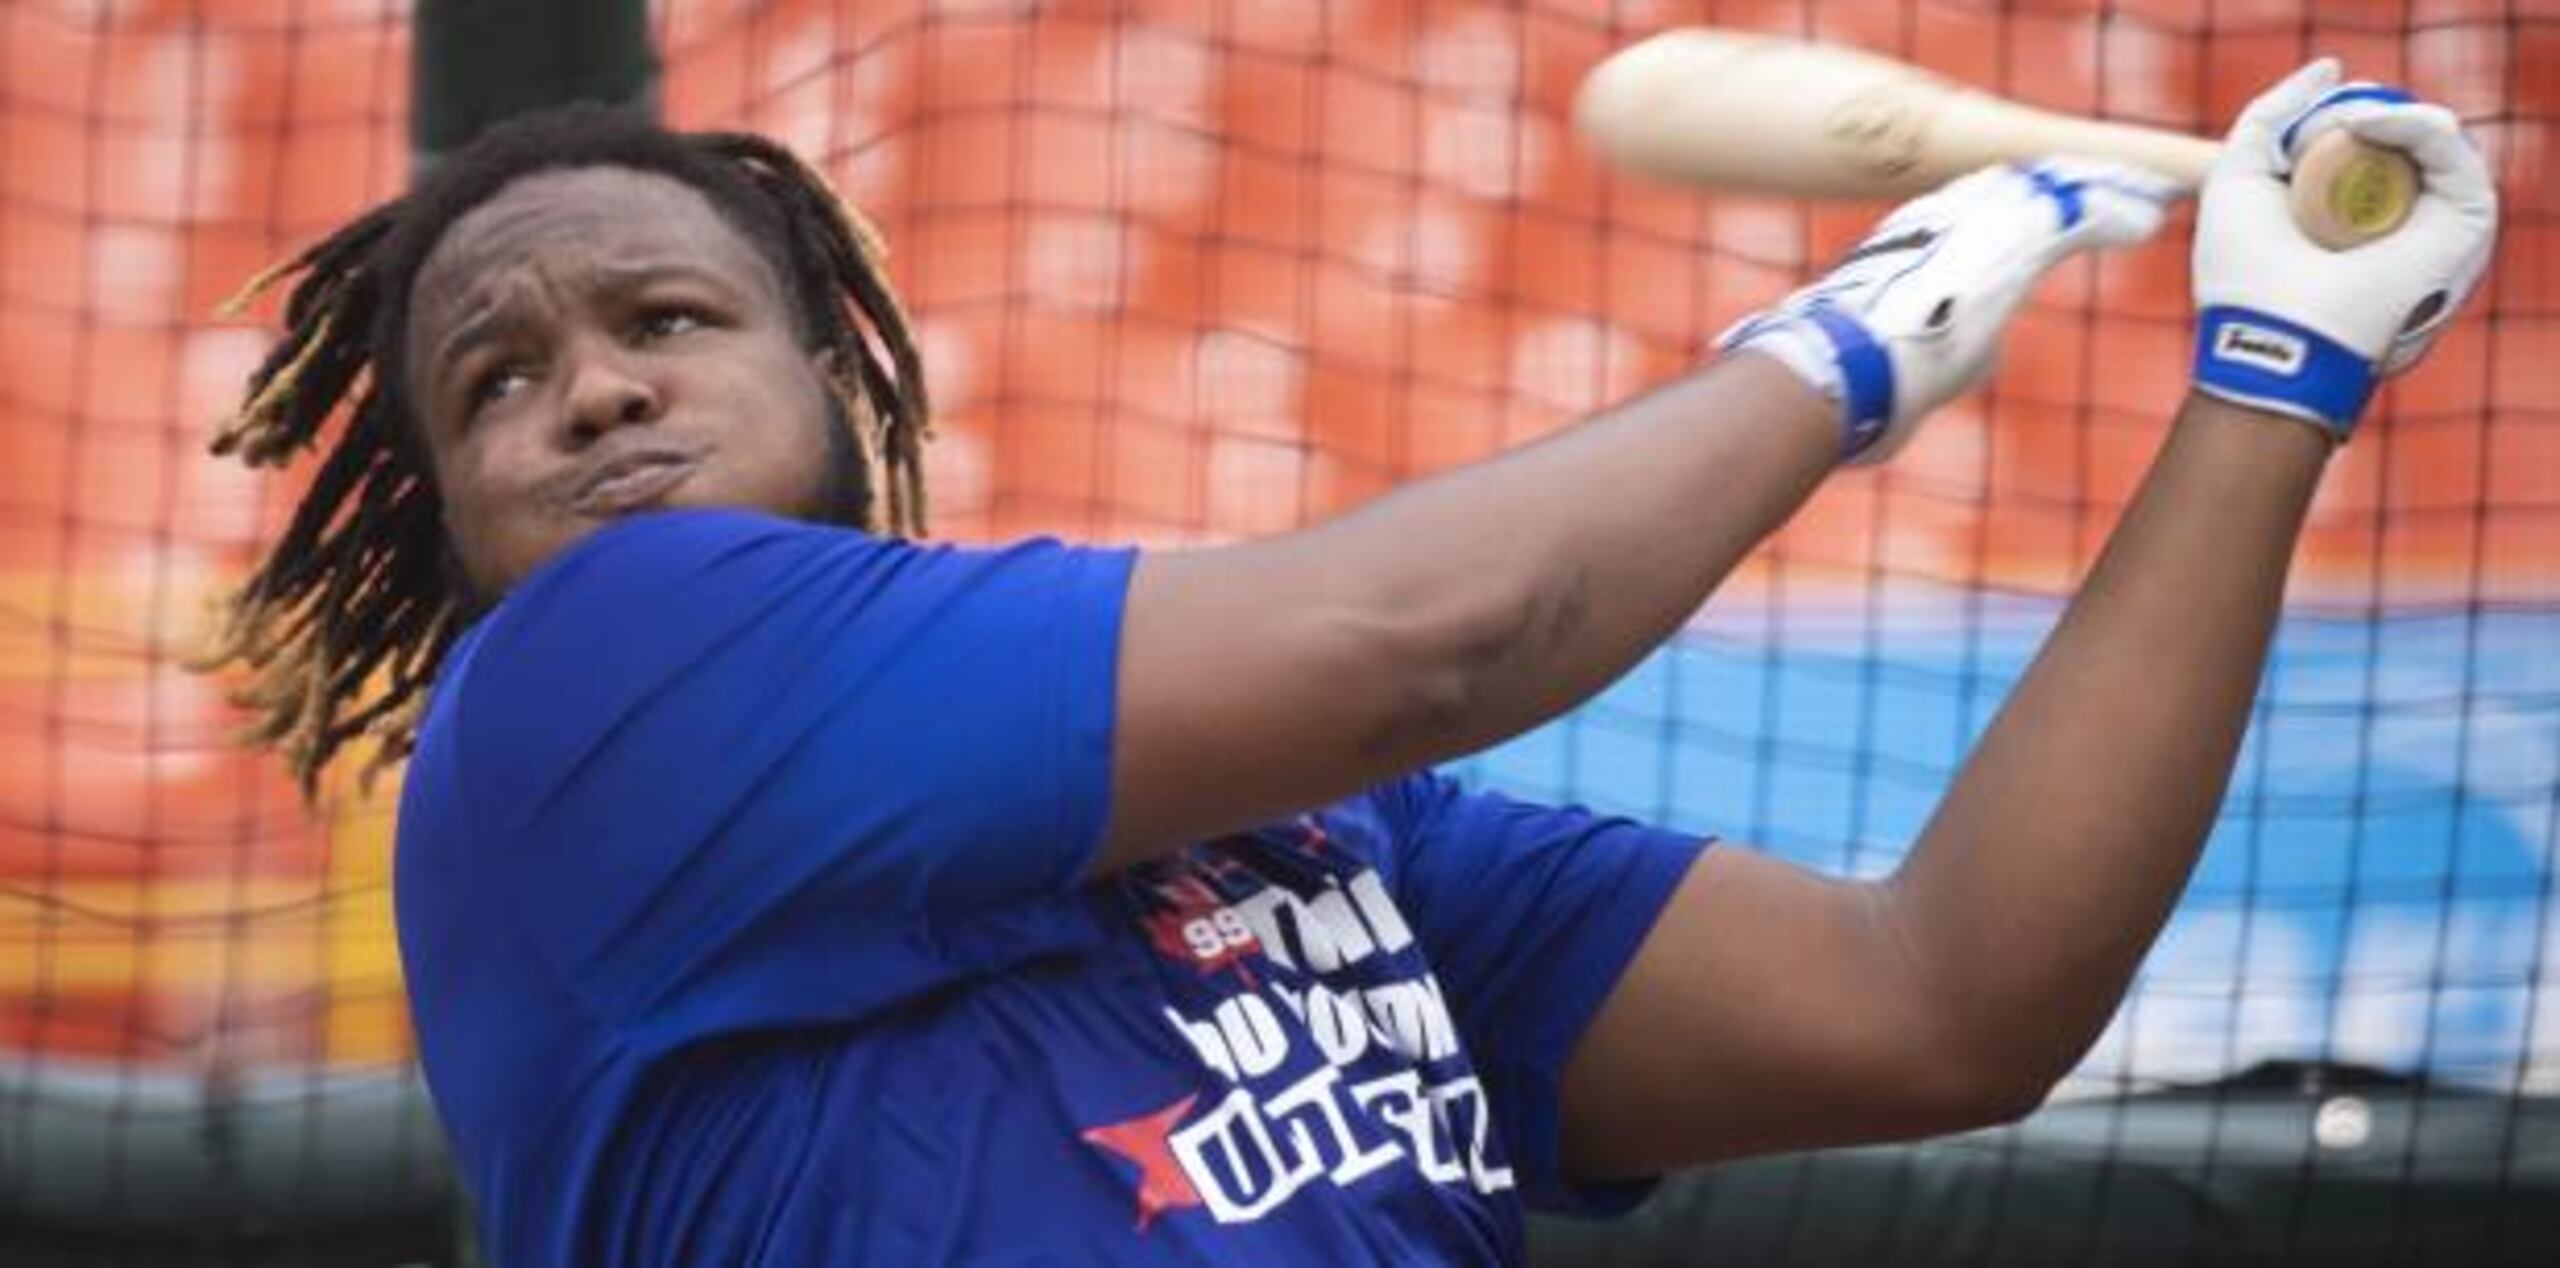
(343, 625)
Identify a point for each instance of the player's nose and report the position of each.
(607, 389)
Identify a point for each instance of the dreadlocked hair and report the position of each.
(343, 624)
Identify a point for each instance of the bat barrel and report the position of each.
(1973, 129)
(1758, 114)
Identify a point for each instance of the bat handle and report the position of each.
(2347, 192)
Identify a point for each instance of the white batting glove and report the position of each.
(1912, 317)
(2287, 325)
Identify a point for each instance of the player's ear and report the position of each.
(830, 377)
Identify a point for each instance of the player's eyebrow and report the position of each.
(491, 319)
(477, 327)
(485, 323)
(625, 275)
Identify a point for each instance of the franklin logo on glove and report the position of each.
(2270, 350)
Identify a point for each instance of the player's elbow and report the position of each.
(1999, 1070)
(1452, 667)
(1966, 1060)
(1964, 1089)
(1418, 700)
(2004, 1095)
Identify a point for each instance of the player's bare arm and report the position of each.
(1771, 1009)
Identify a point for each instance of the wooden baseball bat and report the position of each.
(1760, 114)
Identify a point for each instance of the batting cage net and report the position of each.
(1187, 271)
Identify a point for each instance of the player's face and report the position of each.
(597, 341)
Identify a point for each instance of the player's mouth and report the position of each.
(633, 481)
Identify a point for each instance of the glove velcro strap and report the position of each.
(2270, 363)
(1866, 378)
(2339, 96)
(1835, 356)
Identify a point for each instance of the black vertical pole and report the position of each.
(475, 62)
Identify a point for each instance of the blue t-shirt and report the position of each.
(739, 889)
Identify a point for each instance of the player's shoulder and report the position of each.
(665, 580)
(649, 554)
(669, 564)
(637, 604)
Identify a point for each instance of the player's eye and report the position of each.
(496, 384)
(665, 321)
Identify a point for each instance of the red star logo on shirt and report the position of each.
(1161, 1184)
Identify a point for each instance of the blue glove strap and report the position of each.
(1866, 378)
(2271, 363)
(2339, 96)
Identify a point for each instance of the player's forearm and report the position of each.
(1527, 582)
(2053, 861)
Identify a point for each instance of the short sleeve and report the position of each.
(1529, 914)
(729, 771)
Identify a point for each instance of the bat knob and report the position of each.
(2347, 192)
